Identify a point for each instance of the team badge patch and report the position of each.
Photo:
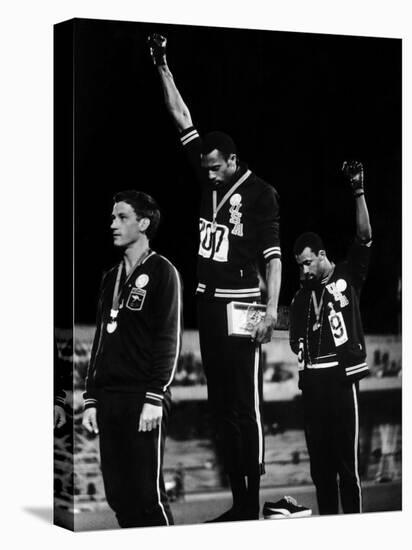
(236, 215)
(336, 290)
(341, 285)
(235, 199)
(142, 280)
(136, 299)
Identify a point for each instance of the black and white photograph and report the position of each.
(205, 274)
(232, 232)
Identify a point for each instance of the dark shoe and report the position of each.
(286, 507)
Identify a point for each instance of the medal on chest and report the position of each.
(112, 324)
(141, 281)
(317, 308)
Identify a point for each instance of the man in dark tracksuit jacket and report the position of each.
(326, 333)
(239, 223)
(134, 357)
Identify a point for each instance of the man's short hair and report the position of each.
(308, 239)
(220, 141)
(145, 207)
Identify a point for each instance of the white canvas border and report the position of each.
(26, 228)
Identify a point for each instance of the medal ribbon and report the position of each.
(116, 292)
(317, 307)
(217, 207)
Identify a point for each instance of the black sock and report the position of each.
(252, 496)
(239, 492)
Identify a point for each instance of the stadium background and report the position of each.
(297, 105)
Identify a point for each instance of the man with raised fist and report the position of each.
(239, 223)
(327, 335)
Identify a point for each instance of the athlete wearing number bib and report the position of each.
(239, 222)
(326, 333)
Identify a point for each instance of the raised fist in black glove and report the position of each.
(157, 46)
(353, 171)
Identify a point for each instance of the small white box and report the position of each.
(243, 317)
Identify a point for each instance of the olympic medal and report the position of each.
(111, 327)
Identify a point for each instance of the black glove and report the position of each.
(353, 171)
(157, 46)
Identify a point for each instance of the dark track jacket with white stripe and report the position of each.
(347, 361)
(141, 355)
(247, 227)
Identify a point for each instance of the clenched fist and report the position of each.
(157, 46)
(353, 171)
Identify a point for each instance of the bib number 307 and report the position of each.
(214, 242)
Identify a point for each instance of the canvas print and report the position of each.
(228, 291)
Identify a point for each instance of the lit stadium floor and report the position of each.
(197, 508)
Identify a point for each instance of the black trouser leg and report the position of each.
(234, 378)
(319, 441)
(331, 431)
(347, 441)
(322, 469)
(132, 462)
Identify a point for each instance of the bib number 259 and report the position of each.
(218, 249)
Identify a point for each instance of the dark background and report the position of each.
(296, 104)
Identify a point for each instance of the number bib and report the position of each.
(338, 328)
(213, 232)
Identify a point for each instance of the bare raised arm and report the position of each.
(173, 100)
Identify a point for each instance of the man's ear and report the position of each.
(322, 254)
(232, 160)
(144, 224)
